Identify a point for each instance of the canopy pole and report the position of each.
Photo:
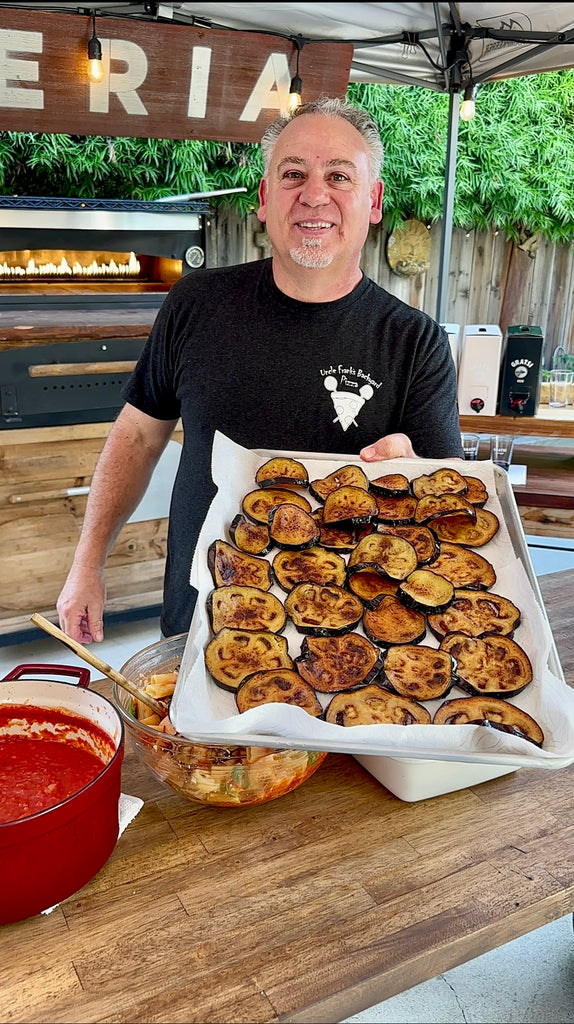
(448, 208)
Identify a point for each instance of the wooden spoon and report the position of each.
(93, 660)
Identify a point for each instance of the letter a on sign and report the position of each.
(271, 91)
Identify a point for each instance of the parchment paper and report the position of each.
(204, 712)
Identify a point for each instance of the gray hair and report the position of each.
(330, 107)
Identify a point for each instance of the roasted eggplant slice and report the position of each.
(323, 610)
(372, 705)
(277, 686)
(441, 506)
(423, 540)
(258, 504)
(346, 476)
(334, 663)
(369, 585)
(392, 556)
(234, 654)
(476, 613)
(245, 608)
(463, 567)
(419, 672)
(279, 472)
(349, 506)
(253, 538)
(442, 481)
(396, 511)
(229, 566)
(426, 592)
(314, 565)
(336, 538)
(495, 666)
(460, 529)
(392, 485)
(292, 528)
(389, 622)
(476, 493)
(492, 712)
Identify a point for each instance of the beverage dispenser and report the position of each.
(521, 371)
(479, 369)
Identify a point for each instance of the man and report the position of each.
(300, 352)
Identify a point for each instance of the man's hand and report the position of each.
(392, 446)
(81, 604)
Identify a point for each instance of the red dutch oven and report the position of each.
(47, 856)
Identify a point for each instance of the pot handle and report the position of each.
(80, 673)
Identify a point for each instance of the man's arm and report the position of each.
(123, 472)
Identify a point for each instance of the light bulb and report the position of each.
(95, 70)
(295, 88)
(467, 110)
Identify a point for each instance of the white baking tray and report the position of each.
(204, 712)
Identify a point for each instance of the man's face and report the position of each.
(317, 202)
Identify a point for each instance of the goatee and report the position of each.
(311, 254)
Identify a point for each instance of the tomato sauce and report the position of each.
(39, 770)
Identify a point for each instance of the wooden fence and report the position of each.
(491, 280)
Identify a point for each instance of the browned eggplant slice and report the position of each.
(441, 506)
(229, 566)
(389, 622)
(460, 530)
(476, 613)
(333, 663)
(349, 506)
(292, 528)
(442, 481)
(245, 608)
(277, 686)
(391, 485)
(372, 705)
(391, 556)
(426, 591)
(490, 711)
(419, 672)
(396, 511)
(234, 654)
(424, 541)
(495, 666)
(253, 538)
(369, 585)
(336, 538)
(463, 567)
(258, 504)
(346, 476)
(314, 565)
(280, 472)
(320, 610)
(477, 493)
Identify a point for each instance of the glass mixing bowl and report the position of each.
(223, 776)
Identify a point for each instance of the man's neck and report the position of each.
(315, 285)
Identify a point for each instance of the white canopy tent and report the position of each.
(447, 47)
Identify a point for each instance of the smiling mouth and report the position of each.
(314, 225)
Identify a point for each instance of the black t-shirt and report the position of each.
(230, 352)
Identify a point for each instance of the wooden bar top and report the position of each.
(548, 422)
(309, 908)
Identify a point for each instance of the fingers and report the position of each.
(80, 606)
(392, 446)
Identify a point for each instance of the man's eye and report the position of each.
(338, 176)
(292, 175)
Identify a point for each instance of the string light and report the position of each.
(95, 69)
(296, 87)
(468, 105)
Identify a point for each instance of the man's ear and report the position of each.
(262, 200)
(377, 193)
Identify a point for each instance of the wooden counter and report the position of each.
(309, 908)
(548, 422)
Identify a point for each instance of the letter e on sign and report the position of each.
(13, 70)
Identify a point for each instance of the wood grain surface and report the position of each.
(309, 908)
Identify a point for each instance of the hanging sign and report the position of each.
(159, 80)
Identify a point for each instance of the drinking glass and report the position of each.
(560, 381)
(470, 445)
(501, 448)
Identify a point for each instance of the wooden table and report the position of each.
(309, 908)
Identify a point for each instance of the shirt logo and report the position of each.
(349, 390)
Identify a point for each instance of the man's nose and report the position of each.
(314, 191)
